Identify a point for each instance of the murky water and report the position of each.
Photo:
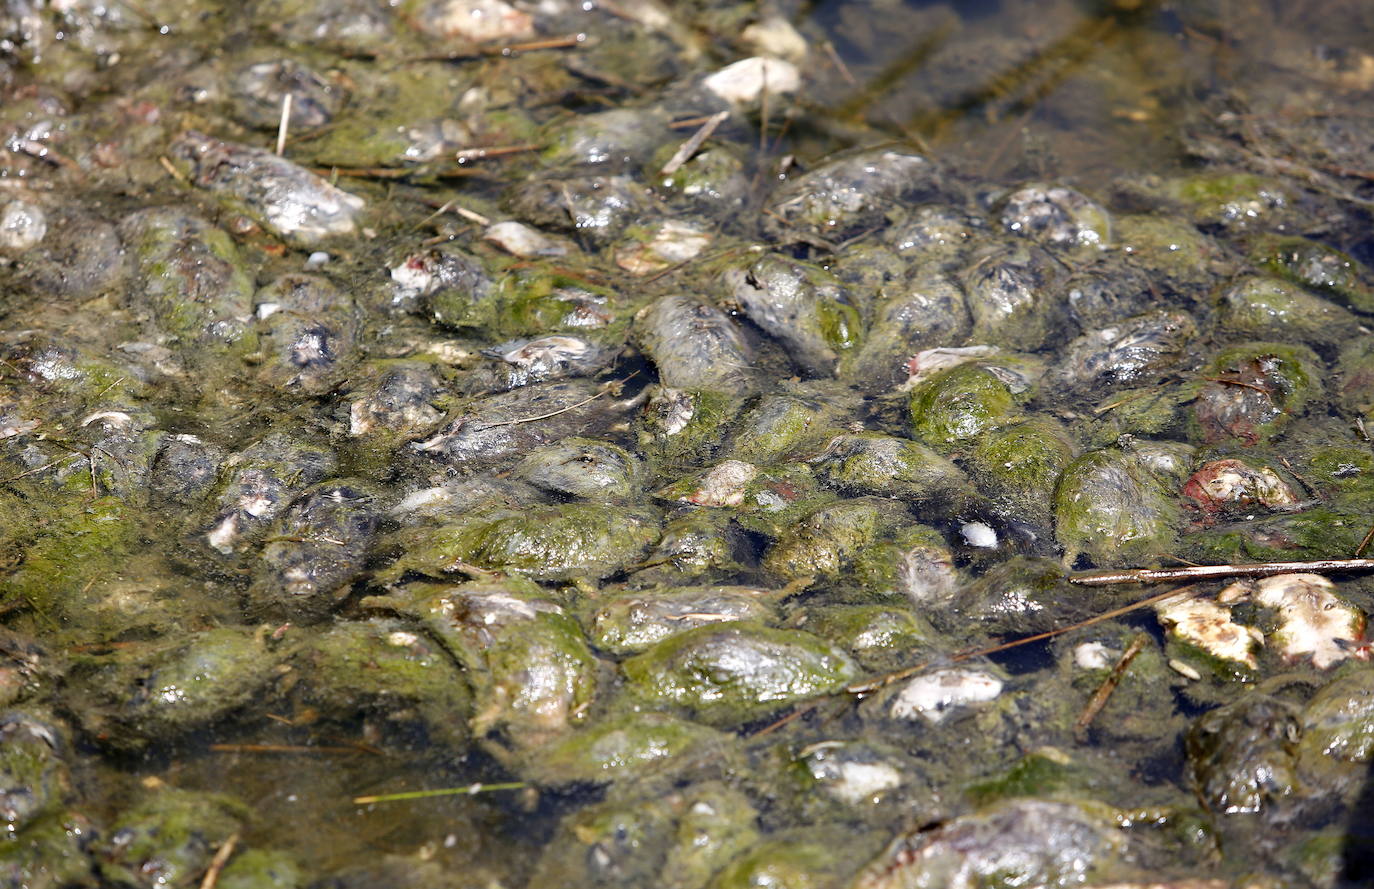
(464, 433)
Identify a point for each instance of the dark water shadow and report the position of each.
(1357, 853)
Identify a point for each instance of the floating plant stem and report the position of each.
(470, 789)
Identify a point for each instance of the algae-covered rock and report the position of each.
(1355, 388)
(959, 404)
(259, 482)
(1242, 754)
(680, 427)
(695, 546)
(283, 197)
(596, 208)
(729, 673)
(532, 675)
(397, 679)
(189, 275)
(879, 637)
(786, 425)
(631, 623)
(1338, 730)
(307, 338)
(450, 285)
(1015, 296)
(50, 854)
(827, 540)
(167, 839)
(1318, 266)
(1264, 307)
(675, 840)
(583, 468)
(554, 543)
(1017, 467)
(1026, 842)
(1111, 508)
(1130, 352)
(34, 776)
(914, 562)
(156, 692)
(869, 463)
(261, 869)
(623, 747)
(849, 193)
(803, 306)
(693, 345)
(77, 545)
(314, 551)
(801, 859)
(1176, 256)
(1253, 391)
(499, 428)
(1057, 216)
(925, 310)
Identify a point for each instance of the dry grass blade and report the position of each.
(691, 145)
(1104, 691)
(222, 855)
(1204, 572)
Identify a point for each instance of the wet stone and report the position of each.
(848, 194)
(1057, 216)
(399, 680)
(583, 468)
(802, 306)
(633, 623)
(497, 429)
(883, 465)
(1242, 754)
(693, 345)
(314, 552)
(1016, 296)
(283, 197)
(727, 674)
(1022, 842)
(167, 838)
(504, 636)
(1114, 510)
(33, 769)
(156, 692)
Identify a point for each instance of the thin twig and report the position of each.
(447, 791)
(1203, 572)
(561, 410)
(477, 154)
(172, 170)
(688, 148)
(871, 685)
(49, 465)
(1104, 691)
(299, 749)
(284, 125)
(1230, 382)
(876, 683)
(222, 855)
(1364, 543)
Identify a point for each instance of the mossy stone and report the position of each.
(729, 673)
(1018, 465)
(1111, 509)
(957, 405)
(167, 839)
(827, 540)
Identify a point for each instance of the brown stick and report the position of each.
(1104, 691)
(217, 863)
(1203, 572)
(688, 148)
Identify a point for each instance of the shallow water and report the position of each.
(1116, 100)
